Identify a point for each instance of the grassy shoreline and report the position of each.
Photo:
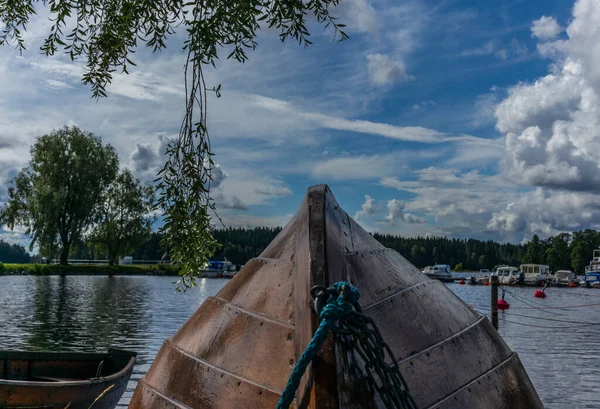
(81, 269)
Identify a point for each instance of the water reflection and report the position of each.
(82, 313)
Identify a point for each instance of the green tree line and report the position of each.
(568, 251)
(13, 253)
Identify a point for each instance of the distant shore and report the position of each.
(82, 269)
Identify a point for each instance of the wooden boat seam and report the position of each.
(388, 297)
(445, 340)
(468, 384)
(90, 381)
(172, 401)
(255, 313)
(218, 369)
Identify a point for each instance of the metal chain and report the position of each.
(359, 333)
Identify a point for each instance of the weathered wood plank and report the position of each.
(324, 389)
(353, 390)
(239, 342)
(419, 317)
(202, 386)
(381, 273)
(507, 386)
(463, 362)
(265, 286)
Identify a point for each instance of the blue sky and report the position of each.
(456, 118)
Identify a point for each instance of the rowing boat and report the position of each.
(56, 380)
(239, 348)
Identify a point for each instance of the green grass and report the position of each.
(81, 269)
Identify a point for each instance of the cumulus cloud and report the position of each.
(147, 158)
(384, 70)
(547, 213)
(546, 28)
(552, 126)
(359, 16)
(368, 208)
(396, 213)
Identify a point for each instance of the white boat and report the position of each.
(427, 270)
(440, 272)
(219, 269)
(592, 272)
(507, 275)
(564, 277)
(594, 266)
(535, 274)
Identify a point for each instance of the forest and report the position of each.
(569, 251)
(13, 253)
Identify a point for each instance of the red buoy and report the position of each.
(486, 283)
(539, 294)
(503, 305)
(573, 285)
(462, 281)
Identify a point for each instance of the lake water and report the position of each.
(82, 313)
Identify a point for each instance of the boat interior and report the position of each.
(61, 367)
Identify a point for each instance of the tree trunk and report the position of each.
(64, 254)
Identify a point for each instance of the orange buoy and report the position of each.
(462, 281)
(486, 283)
(503, 305)
(539, 294)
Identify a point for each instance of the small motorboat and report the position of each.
(564, 278)
(57, 380)
(440, 272)
(241, 346)
(591, 280)
(219, 269)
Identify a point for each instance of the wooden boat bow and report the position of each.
(240, 346)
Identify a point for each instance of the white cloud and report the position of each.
(55, 84)
(460, 203)
(356, 167)
(552, 126)
(368, 208)
(547, 213)
(396, 213)
(384, 71)
(423, 104)
(359, 16)
(546, 28)
(486, 49)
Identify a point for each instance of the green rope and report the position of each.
(336, 308)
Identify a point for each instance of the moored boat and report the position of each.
(239, 348)
(591, 280)
(219, 269)
(507, 275)
(563, 278)
(536, 274)
(440, 272)
(57, 380)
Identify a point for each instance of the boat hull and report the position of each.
(239, 348)
(441, 277)
(51, 380)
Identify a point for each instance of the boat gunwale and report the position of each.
(103, 379)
